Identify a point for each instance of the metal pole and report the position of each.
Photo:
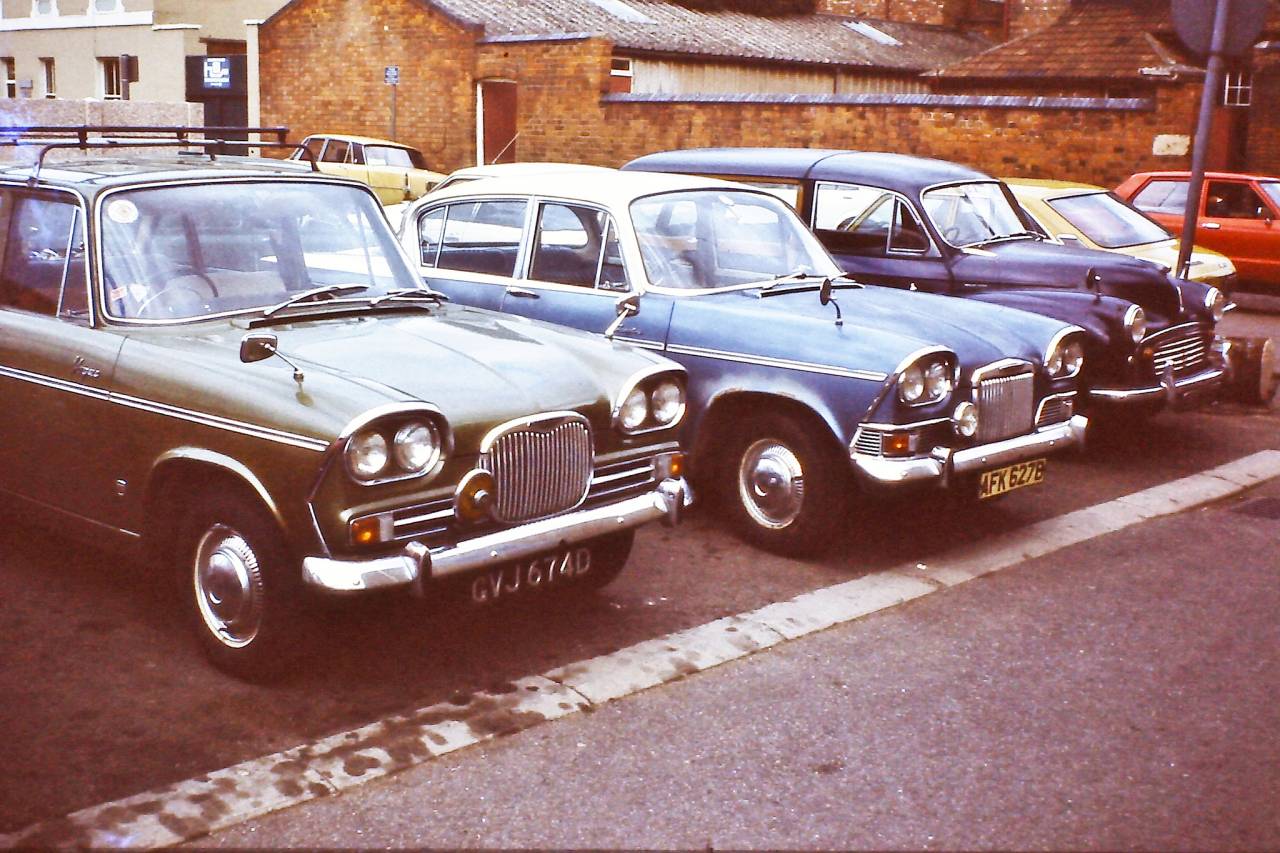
(393, 110)
(1212, 86)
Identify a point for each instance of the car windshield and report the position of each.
(386, 155)
(185, 251)
(1272, 191)
(1108, 221)
(969, 214)
(706, 239)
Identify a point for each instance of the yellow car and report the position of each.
(396, 172)
(1091, 216)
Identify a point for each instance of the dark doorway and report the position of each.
(498, 102)
(221, 84)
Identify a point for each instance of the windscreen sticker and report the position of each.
(122, 211)
(139, 292)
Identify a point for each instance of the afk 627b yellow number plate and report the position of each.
(997, 481)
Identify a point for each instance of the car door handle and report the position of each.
(522, 293)
(1212, 226)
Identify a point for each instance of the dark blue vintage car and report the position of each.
(804, 385)
(935, 226)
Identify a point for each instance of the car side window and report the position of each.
(481, 236)
(335, 151)
(356, 154)
(430, 227)
(314, 145)
(908, 233)
(1231, 200)
(42, 265)
(866, 221)
(577, 245)
(1162, 197)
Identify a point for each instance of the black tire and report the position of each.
(783, 488)
(240, 590)
(609, 556)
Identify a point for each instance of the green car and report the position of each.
(231, 363)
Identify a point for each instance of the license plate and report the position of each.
(529, 575)
(998, 481)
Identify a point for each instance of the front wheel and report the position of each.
(240, 595)
(788, 493)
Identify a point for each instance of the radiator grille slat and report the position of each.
(1183, 348)
(540, 469)
(1006, 407)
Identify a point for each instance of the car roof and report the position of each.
(93, 172)
(362, 140)
(598, 184)
(901, 171)
(495, 170)
(1239, 176)
(1041, 188)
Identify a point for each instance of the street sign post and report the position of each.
(1222, 29)
(391, 76)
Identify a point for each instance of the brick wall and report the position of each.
(941, 12)
(322, 66)
(1263, 147)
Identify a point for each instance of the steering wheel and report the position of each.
(658, 267)
(161, 298)
(951, 234)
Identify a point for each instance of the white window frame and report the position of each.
(1237, 89)
(104, 62)
(48, 77)
(117, 9)
(36, 13)
(9, 66)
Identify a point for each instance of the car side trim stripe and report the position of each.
(784, 363)
(203, 418)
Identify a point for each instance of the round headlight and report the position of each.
(667, 400)
(634, 409)
(965, 419)
(366, 454)
(937, 381)
(1072, 358)
(417, 446)
(911, 385)
(1135, 323)
(1216, 302)
(1054, 362)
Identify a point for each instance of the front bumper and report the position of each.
(418, 564)
(944, 463)
(1173, 391)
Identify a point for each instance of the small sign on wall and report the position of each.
(391, 75)
(217, 72)
(1171, 145)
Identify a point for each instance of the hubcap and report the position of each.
(771, 483)
(228, 587)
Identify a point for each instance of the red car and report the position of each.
(1238, 216)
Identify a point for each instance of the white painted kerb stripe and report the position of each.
(253, 788)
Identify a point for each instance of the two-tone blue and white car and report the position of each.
(805, 387)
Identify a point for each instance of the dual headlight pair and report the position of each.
(1066, 356)
(655, 402)
(927, 380)
(394, 451)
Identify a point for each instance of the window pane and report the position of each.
(1108, 221)
(430, 227)
(569, 244)
(908, 234)
(43, 247)
(1162, 197)
(335, 151)
(1230, 200)
(482, 236)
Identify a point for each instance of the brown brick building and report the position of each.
(602, 81)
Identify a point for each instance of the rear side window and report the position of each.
(1231, 200)
(866, 221)
(335, 151)
(577, 245)
(1162, 197)
(42, 266)
(473, 236)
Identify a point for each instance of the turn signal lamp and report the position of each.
(898, 444)
(473, 502)
(669, 465)
(372, 529)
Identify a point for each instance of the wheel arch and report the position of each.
(728, 409)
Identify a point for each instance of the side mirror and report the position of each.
(825, 298)
(626, 306)
(258, 346)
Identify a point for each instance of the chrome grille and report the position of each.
(616, 480)
(1055, 410)
(1006, 406)
(540, 468)
(869, 442)
(1183, 347)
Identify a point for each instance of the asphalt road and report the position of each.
(104, 696)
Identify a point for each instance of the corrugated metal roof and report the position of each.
(674, 29)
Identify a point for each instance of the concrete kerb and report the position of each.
(205, 804)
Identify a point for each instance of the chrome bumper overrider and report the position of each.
(944, 463)
(1173, 390)
(417, 564)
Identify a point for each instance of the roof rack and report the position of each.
(141, 136)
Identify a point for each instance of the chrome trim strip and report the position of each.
(1044, 404)
(1008, 366)
(901, 427)
(416, 564)
(202, 418)
(637, 342)
(786, 364)
(486, 444)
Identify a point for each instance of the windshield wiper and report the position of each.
(793, 277)
(332, 291)
(1014, 236)
(409, 294)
